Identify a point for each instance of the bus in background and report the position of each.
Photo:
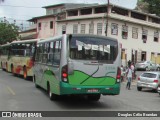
(21, 57)
(78, 65)
(4, 52)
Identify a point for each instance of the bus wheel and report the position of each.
(52, 96)
(6, 67)
(34, 80)
(25, 73)
(94, 97)
(12, 69)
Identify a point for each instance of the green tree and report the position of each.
(8, 32)
(153, 6)
(142, 6)
(2, 1)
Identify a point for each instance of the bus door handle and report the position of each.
(70, 68)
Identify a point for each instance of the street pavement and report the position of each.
(17, 94)
(133, 83)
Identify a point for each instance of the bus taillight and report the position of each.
(118, 74)
(64, 73)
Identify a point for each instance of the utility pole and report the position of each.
(107, 18)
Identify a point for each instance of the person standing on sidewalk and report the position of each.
(133, 71)
(129, 77)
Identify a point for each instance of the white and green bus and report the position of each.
(78, 65)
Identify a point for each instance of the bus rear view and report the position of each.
(92, 66)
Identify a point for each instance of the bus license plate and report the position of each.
(92, 90)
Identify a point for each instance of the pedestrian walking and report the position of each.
(129, 63)
(129, 73)
(133, 71)
(122, 73)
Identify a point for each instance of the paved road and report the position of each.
(17, 94)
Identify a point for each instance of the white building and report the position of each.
(138, 32)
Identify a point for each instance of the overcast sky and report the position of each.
(31, 8)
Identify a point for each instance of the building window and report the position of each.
(144, 35)
(63, 29)
(39, 26)
(123, 54)
(124, 31)
(49, 12)
(73, 13)
(100, 10)
(114, 29)
(51, 24)
(99, 28)
(75, 28)
(54, 11)
(91, 28)
(83, 27)
(86, 11)
(156, 36)
(135, 33)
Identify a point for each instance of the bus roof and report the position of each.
(25, 41)
(74, 35)
(50, 39)
(90, 35)
(5, 45)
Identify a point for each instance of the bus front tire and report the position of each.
(12, 69)
(52, 96)
(94, 97)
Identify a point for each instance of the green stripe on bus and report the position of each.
(78, 77)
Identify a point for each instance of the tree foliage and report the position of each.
(2, 1)
(8, 32)
(153, 6)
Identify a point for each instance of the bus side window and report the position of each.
(56, 52)
(45, 53)
(33, 48)
(50, 53)
(39, 53)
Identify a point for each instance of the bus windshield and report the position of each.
(101, 49)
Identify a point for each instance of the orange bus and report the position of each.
(21, 56)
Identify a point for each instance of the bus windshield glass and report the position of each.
(103, 50)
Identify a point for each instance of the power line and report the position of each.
(20, 6)
(17, 15)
